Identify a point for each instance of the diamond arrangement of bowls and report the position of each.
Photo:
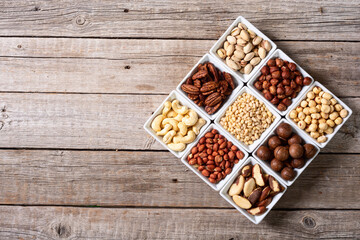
(232, 103)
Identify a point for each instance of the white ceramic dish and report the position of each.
(305, 139)
(235, 169)
(251, 147)
(208, 58)
(336, 129)
(227, 197)
(174, 95)
(280, 54)
(222, 39)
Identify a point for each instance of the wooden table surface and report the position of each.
(78, 79)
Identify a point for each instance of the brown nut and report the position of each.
(264, 153)
(292, 66)
(288, 173)
(268, 96)
(274, 142)
(276, 74)
(257, 210)
(295, 139)
(296, 150)
(281, 107)
(265, 70)
(265, 193)
(254, 195)
(286, 101)
(265, 202)
(271, 63)
(285, 74)
(276, 165)
(297, 162)
(249, 186)
(257, 175)
(275, 101)
(237, 186)
(284, 130)
(281, 153)
(299, 80)
(280, 90)
(310, 150)
(246, 171)
(274, 184)
(272, 90)
(307, 81)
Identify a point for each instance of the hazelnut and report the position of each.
(292, 66)
(288, 91)
(287, 173)
(286, 82)
(268, 77)
(282, 107)
(275, 101)
(258, 85)
(274, 69)
(274, 142)
(275, 74)
(296, 150)
(264, 153)
(307, 81)
(299, 80)
(281, 153)
(284, 130)
(309, 150)
(286, 101)
(285, 74)
(274, 81)
(281, 96)
(280, 91)
(285, 69)
(265, 70)
(294, 95)
(295, 139)
(268, 96)
(279, 62)
(271, 63)
(266, 85)
(293, 84)
(272, 90)
(297, 162)
(276, 165)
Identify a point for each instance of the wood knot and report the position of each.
(62, 230)
(309, 222)
(126, 10)
(174, 180)
(36, 8)
(127, 67)
(80, 20)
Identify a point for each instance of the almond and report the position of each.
(257, 210)
(241, 202)
(237, 187)
(249, 186)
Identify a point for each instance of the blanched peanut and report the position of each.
(343, 113)
(338, 121)
(322, 139)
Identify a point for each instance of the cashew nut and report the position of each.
(167, 108)
(179, 109)
(169, 136)
(190, 137)
(177, 146)
(171, 114)
(196, 128)
(182, 128)
(155, 125)
(164, 131)
(171, 121)
(179, 117)
(191, 118)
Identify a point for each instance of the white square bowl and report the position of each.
(208, 58)
(235, 169)
(227, 197)
(280, 54)
(172, 96)
(222, 39)
(336, 129)
(305, 139)
(251, 147)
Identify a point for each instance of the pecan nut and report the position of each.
(209, 86)
(200, 74)
(191, 89)
(228, 78)
(211, 110)
(213, 99)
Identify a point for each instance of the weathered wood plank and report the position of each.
(154, 179)
(95, 121)
(305, 20)
(87, 223)
(138, 66)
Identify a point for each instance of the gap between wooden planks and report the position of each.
(85, 223)
(292, 20)
(138, 66)
(155, 179)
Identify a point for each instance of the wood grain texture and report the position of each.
(155, 179)
(87, 223)
(291, 20)
(138, 66)
(96, 121)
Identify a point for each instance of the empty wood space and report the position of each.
(78, 79)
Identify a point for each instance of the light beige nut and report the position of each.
(257, 210)
(171, 121)
(333, 115)
(314, 135)
(241, 42)
(322, 124)
(226, 45)
(190, 119)
(343, 113)
(293, 114)
(255, 61)
(248, 68)
(189, 138)
(249, 186)
(156, 123)
(338, 107)
(229, 50)
(251, 33)
(257, 40)
(329, 130)
(245, 35)
(165, 130)
(239, 54)
(231, 40)
(330, 123)
(327, 96)
(248, 47)
(183, 129)
(178, 108)
(249, 56)
(232, 64)
(171, 114)
(274, 184)
(321, 139)
(178, 147)
(266, 44)
(179, 117)
(167, 108)
(316, 90)
(257, 175)
(262, 52)
(241, 202)
(196, 128)
(221, 53)
(169, 136)
(237, 186)
(242, 26)
(338, 120)
(235, 31)
(310, 95)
